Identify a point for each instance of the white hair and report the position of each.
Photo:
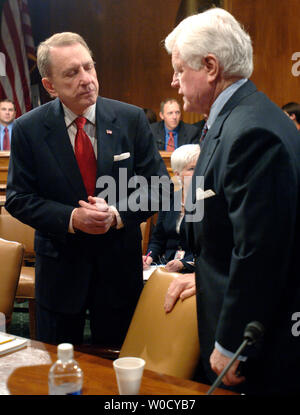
(217, 32)
(184, 155)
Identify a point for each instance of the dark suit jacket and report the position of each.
(248, 242)
(187, 134)
(165, 240)
(44, 185)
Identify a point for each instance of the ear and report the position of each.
(47, 84)
(292, 116)
(161, 116)
(212, 66)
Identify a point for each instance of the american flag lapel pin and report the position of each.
(108, 132)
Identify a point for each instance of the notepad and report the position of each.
(147, 272)
(9, 343)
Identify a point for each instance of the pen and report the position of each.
(7, 341)
(150, 252)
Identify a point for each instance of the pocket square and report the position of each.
(123, 156)
(204, 194)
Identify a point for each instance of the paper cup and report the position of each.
(129, 372)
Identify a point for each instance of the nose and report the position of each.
(85, 76)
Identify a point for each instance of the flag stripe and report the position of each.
(8, 82)
(23, 80)
(16, 43)
(26, 26)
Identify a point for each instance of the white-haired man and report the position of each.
(248, 242)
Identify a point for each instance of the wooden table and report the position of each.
(25, 372)
(4, 161)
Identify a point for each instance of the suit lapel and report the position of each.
(161, 136)
(213, 135)
(59, 143)
(181, 134)
(107, 135)
(212, 139)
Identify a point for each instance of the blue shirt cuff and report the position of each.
(227, 353)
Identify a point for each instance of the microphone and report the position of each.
(253, 332)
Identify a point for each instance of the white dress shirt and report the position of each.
(90, 129)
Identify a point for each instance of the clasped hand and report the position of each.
(95, 217)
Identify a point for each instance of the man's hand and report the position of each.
(174, 266)
(181, 287)
(95, 217)
(218, 362)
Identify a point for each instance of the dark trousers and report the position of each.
(108, 327)
(109, 317)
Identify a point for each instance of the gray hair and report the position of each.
(184, 155)
(217, 32)
(58, 39)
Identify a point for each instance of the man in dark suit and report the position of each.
(7, 116)
(247, 244)
(88, 253)
(171, 132)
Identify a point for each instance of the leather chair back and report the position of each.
(11, 258)
(168, 343)
(12, 229)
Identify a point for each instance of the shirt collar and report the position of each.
(9, 126)
(222, 99)
(89, 114)
(175, 130)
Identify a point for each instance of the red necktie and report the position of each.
(171, 144)
(6, 143)
(203, 134)
(85, 157)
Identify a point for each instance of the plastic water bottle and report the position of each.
(65, 376)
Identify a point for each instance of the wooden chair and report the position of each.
(168, 342)
(11, 258)
(13, 230)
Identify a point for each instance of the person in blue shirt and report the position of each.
(7, 116)
(181, 132)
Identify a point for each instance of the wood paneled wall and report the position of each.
(274, 28)
(126, 38)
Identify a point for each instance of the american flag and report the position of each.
(16, 43)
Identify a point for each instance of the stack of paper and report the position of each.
(10, 343)
(147, 272)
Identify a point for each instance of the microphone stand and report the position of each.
(253, 332)
(226, 368)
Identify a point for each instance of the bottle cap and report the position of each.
(65, 351)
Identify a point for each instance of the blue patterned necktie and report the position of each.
(203, 134)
